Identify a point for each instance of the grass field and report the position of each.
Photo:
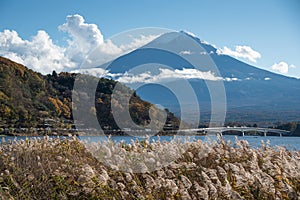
(71, 169)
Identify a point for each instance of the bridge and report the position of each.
(241, 130)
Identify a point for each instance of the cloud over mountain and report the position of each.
(41, 54)
(245, 52)
(282, 67)
(168, 75)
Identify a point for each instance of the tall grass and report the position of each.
(71, 169)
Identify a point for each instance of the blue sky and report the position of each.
(268, 27)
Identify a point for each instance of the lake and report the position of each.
(291, 143)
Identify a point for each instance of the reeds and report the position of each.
(71, 169)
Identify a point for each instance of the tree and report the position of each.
(54, 74)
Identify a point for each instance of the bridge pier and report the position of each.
(243, 133)
(265, 133)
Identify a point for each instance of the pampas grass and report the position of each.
(71, 169)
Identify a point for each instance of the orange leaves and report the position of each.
(60, 108)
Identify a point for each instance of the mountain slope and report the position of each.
(29, 99)
(252, 94)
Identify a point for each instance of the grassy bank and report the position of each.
(68, 169)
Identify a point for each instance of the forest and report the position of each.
(30, 100)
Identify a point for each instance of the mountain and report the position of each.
(250, 93)
(30, 99)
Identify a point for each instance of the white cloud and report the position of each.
(245, 52)
(87, 37)
(231, 79)
(163, 75)
(168, 75)
(282, 67)
(81, 32)
(83, 37)
(98, 72)
(41, 54)
(185, 52)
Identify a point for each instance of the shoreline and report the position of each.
(141, 135)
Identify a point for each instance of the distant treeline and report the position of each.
(294, 127)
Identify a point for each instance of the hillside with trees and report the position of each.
(31, 100)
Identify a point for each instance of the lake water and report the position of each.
(292, 143)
